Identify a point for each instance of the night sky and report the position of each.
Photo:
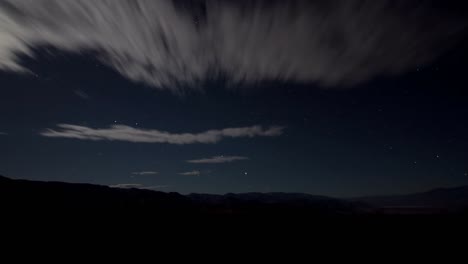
(201, 107)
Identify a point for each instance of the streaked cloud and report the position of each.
(217, 159)
(126, 185)
(166, 43)
(82, 94)
(191, 173)
(138, 135)
(138, 186)
(143, 173)
(154, 187)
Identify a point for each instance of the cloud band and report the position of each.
(136, 135)
(164, 43)
(217, 159)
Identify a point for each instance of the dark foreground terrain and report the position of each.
(27, 195)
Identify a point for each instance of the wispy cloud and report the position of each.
(137, 135)
(217, 159)
(126, 185)
(138, 186)
(165, 43)
(154, 187)
(191, 173)
(81, 94)
(142, 173)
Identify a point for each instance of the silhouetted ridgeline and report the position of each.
(442, 200)
(35, 195)
(59, 195)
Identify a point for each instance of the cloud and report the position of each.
(138, 186)
(137, 135)
(191, 173)
(81, 94)
(126, 185)
(142, 173)
(217, 159)
(172, 44)
(155, 187)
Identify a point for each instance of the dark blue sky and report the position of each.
(389, 135)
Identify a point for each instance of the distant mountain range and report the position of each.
(31, 195)
(441, 199)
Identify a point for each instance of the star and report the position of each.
(245, 173)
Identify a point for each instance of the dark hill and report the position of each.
(25, 194)
(442, 200)
(59, 195)
(35, 195)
